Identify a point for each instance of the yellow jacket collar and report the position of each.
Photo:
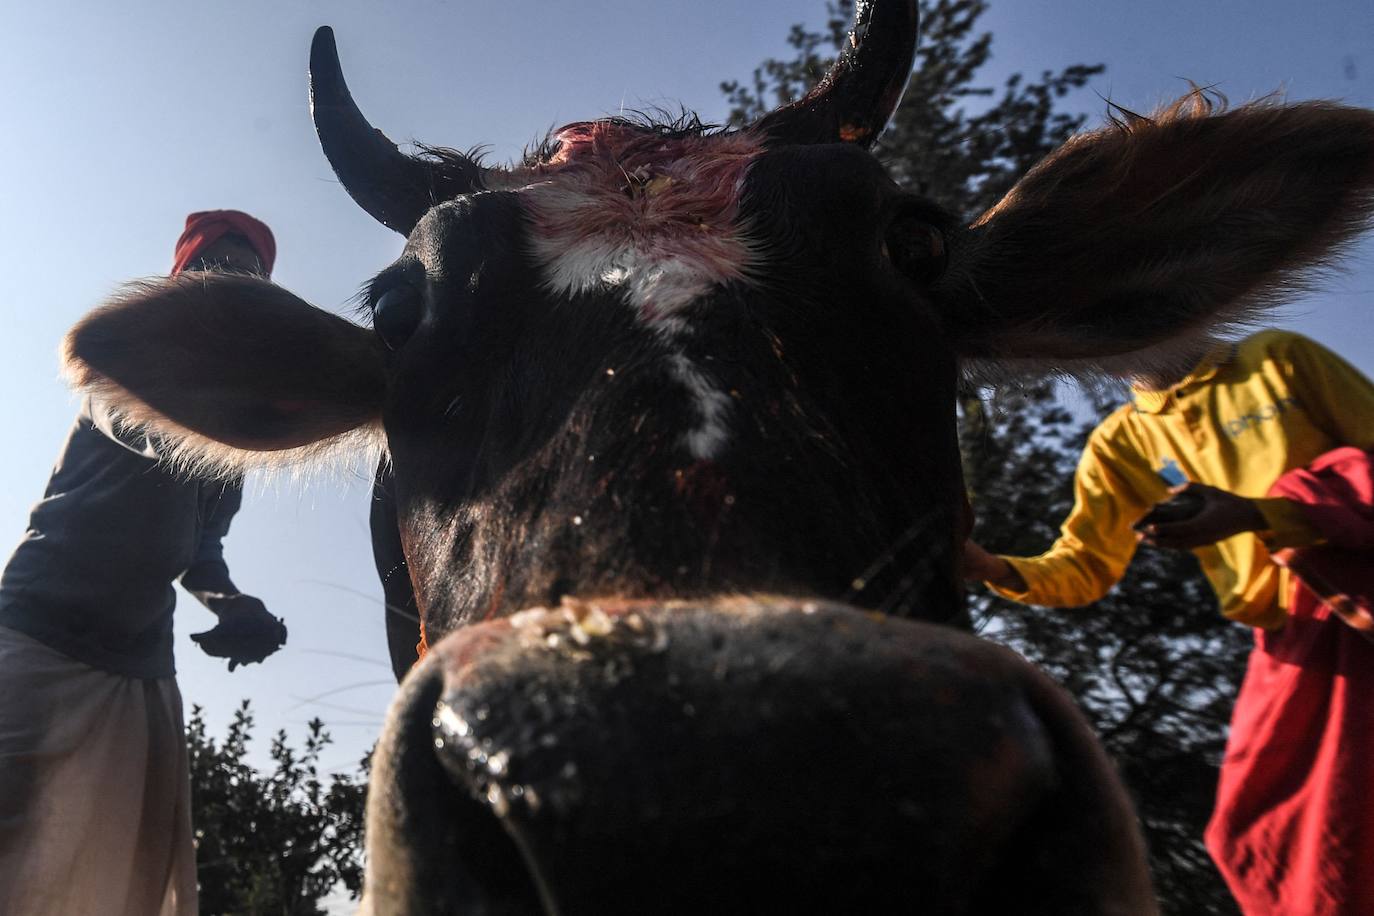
(1149, 400)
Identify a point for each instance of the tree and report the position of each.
(963, 160)
(1153, 665)
(271, 843)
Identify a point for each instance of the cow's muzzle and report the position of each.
(759, 755)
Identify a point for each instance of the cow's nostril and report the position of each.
(474, 763)
(432, 847)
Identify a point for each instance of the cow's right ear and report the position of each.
(1134, 246)
(233, 370)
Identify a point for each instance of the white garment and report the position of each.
(95, 791)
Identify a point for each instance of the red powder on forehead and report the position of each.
(613, 146)
(654, 213)
(621, 142)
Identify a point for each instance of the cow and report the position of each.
(670, 413)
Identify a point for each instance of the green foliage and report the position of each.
(277, 842)
(1153, 665)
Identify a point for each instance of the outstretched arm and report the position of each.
(1095, 543)
(981, 566)
(1219, 515)
(207, 578)
(246, 631)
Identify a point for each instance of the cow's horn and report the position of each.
(854, 101)
(395, 188)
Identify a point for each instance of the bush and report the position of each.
(274, 842)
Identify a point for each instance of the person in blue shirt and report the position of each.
(94, 778)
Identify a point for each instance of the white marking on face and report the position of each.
(706, 439)
(657, 217)
(654, 218)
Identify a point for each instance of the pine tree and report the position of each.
(959, 143)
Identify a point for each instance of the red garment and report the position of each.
(1293, 829)
(1336, 493)
(208, 226)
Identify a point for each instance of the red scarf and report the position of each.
(208, 226)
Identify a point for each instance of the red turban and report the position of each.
(205, 228)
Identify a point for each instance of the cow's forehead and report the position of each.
(654, 215)
(650, 218)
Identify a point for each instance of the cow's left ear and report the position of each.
(228, 367)
(1152, 233)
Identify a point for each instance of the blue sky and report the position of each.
(121, 118)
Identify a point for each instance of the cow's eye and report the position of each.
(396, 314)
(916, 248)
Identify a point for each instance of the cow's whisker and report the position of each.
(347, 655)
(339, 707)
(344, 689)
(390, 608)
(889, 556)
(910, 585)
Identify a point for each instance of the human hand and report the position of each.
(246, 631)
(1221, 515)
(980, 566)
(977, 564)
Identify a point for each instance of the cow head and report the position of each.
(671, 417)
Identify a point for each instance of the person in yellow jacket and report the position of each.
(1224, 433)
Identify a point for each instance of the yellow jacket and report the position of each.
(1247, 414)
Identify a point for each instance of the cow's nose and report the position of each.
(769, 755)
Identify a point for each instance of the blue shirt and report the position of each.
(92, 577)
